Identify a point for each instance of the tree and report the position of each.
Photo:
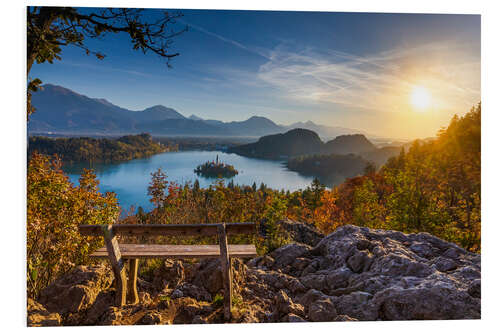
(157, 187)
(50, 28)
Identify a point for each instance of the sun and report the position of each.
(420, 98)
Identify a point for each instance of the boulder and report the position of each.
(208, 275)
(284, 305)
(39, 316)
(151, 318)
(322, 310)
(169, 275)
(302, 233)
(293, 318)
(287, 254)
(77, 290)
(190, 290)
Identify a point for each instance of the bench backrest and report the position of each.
(167, 229)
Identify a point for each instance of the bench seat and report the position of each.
(143, 251)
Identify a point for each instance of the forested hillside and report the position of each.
(97, 150)
(331, 168)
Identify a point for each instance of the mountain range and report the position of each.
(60, 110)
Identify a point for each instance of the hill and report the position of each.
(301, 141)
(346, 144)
(326, 132)
(280, 146)
(97, 150)
(330, 169)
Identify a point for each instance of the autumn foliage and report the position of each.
(55, 208)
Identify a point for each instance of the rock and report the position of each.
(76, 290)
(39, 316)
(144, 297)
(285, 305)
(193, 291)
(170, 274)
(338, 278)
(314, 281)
(360, 261)
(186, 309)
(287, 254)
(344, 318)
(302, 233)
(102, 304)
(356, 305)
(267, 261)
(199, 320)
(208, 275)
(351, 274)
(322, 310)
(293, 318)
(441, 301)
(299, 264)
(151, 318)
(310, 297)
(177, 293)
(475, 289)
(112, 316)
(445, 264)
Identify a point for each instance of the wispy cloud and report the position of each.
(381, 81)
(227, 40)
(108, 68)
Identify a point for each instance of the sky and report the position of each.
(355, 70)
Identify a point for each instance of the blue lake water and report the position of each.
(130, 180)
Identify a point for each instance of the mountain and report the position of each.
(325, 132)
(346, 144)
(292, 143)
(156, 113)
(61, 110)
(194, 117)
(253, 126)
(181, 127)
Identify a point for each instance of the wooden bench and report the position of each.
(118, 253)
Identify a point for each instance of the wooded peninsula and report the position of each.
(85, 149)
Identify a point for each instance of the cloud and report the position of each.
(227, 40)
(108, 68)
(380, 81)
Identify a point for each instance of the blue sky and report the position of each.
(355, 70)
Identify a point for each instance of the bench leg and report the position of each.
(226, 271)
(132, 296)
(117, 265)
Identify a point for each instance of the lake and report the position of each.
(130, 179)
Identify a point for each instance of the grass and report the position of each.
(218, 300)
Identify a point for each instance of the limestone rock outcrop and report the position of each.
(351, 274)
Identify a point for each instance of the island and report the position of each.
(216, 169)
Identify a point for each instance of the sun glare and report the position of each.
(420, 98)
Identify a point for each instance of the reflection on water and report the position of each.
(130, 180)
